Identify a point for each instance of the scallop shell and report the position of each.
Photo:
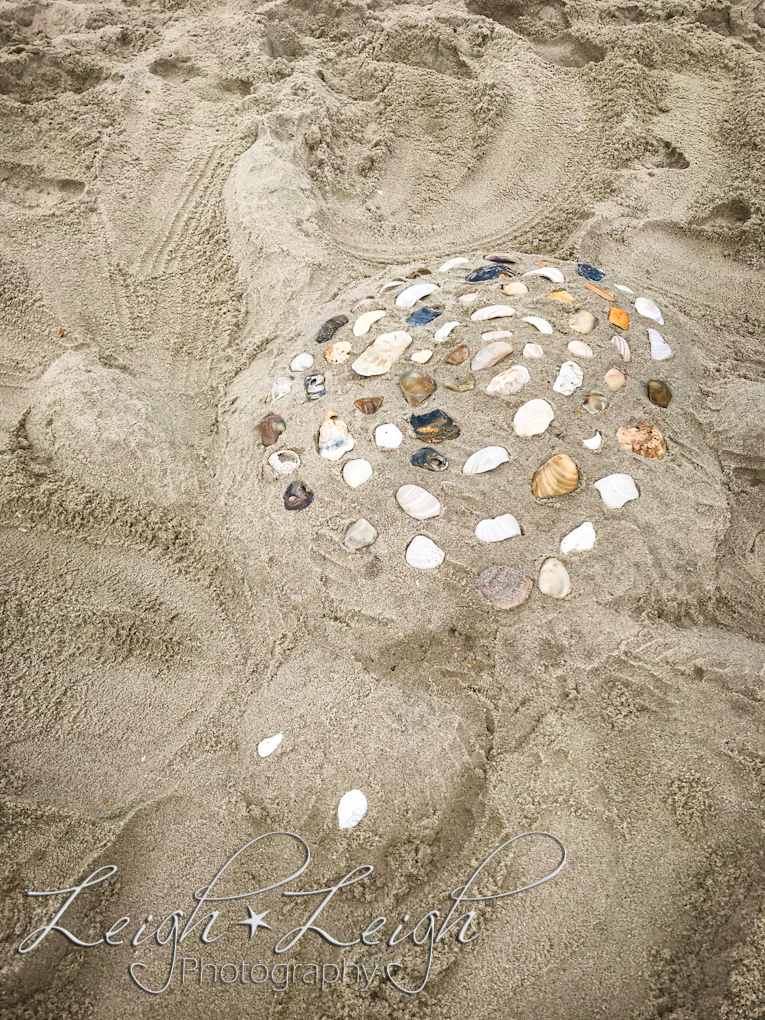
(279, 389)
(561, 295)
(618, 317)
(314, 386)
(297, 496)
(452, 263)
(269, 745)
(359, 535)
(595, 403)
(424, 554)
(271, 427)
(466, 299)
(284, 462)
(364, 322)
(515, 289)
(301, 363)
(504, 586)
(569, 378)
(533, 418)
(645, 440)
(492, 312)
(645, 307)
(485, 460)
(356, 472)
(491, 355)
(458, 356)
(660, 349)
(422, 356)
(580, 349)
(443, 331)
(622, 347)
(541, 324)
(593, 443)
(579, 540)
(554, 579)
(338, 353)
(659, 393)
(582, 322)
(416, 386)
(615, 379)
(388, 437)
(511, 381)
(379, 356)
(334, 440)
(330, 327)
(533, 351)
(417, 502)
(557, 476)
(497, 529)
(600, 291)
(409, 297)
(496, 334)
(351, 809)
(549, 273)
(368, 405)
(616, 490)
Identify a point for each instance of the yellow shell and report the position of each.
(557, 476)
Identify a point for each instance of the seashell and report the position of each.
(364, 322)
(334, 440)
(416, 386)
(423, 316)
(616, 490)
(569, 378)
(502, 258)
(297, 496)
(391, 285)
(491, 355)
(356, 472)
(492, 312)
(362, 305)
(462, 384)
(452, 263)
(388, 437)
(579, 540)
(466, 299)
(280, 389)
(620, 286)
(420, 271)
(368, 405)
(496, 334)
(593, 443)
(351, 809)
(409, 297)
(443, 331)
(515, 289)
(580, 349)
(618, 317)
(301, 363)
(557, 476)
(269, 745)
(429, 459)
(424, 554)
(498, 528)
(645, 307)
(422, 356)
(481, 461)
(561, 295)
(359, 535)
(549, 273)
(434, 426)
(645, 440)
(615, 379)
(554, 579)
(458, 356)
(595, 403)
(284, 462)
(505, 587)
(659, 393)
(533, 351)
(417, 502)
(511, 381)
(337, 353)
(271, 427)
(582, 322)
(622, 347)
(378, 358)
(314, 386)
(605, 294)
(660, 349)
(533, 418)
(330, 327)
(541, 324)
(590, 272)
(495, 272)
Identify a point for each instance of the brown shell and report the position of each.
(504, 586)
(297, 496)
(605, 294)
(659, 393)
(561, 295)
(458, 356)
(556, 477)
(330, 327)
(618, 317)
(595, 403)
(271, 427)
(462, 384)
(645, 440)
(416, 386)
(420, 271)
(369, 405)
(542, 263)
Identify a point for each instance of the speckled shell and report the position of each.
(417, 502)
(622, 347)
(409, 297)
(337, 353)
(582, 322)
(330, 327)
(533, 418)
(284, 462)
(485, 460)
(554, 579)
(645, 440)
(509, 382)
(359, 535)
(364, 322)
(616, 490)
(556, 477)
(569, 378)
(491, 355)
(504, 586)
(434, 426)
(497, 529)
(492, 312)
(379, 356)
(334, 440)
(424, 554)
(618, 317)
(458, 356)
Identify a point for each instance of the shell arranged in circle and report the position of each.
(554, 579)
(616, 490)
(279, 389)
(359, 535)
(579, 540)
(330, 327)
(378, 358)
(593, 443)
(615, 379)
(409, 297)
(458, 356)
(533, 418)
(434, 426)
(416, 386)
(502, 257)
(538, 323)
(570, 377)
(368, 405)
(548, 272)
(533, 351)
(582, 321)
(315, 386)
(556, 477)
(443, 331)
(509, 382)
(364, 322)
(595, 403)
(334, 438)
(515, 289)
(492, 312)
(297, 496)
(659, 393)
(270, 428)
(495, 272)
(284, 462)
(660, 349)
(496, 334)
(645, 440)
(356, 472)
(491, 355)
(466, 299)
(601, 291)
(504, 586)
(622, 347)
(420, 357)
(618, 317)
(423, 316)
(362, 306)
(462, 383)
(338, 353)
(301, 363)
(351, 809)
(418, 502)
(453, 263)
(579, 349)
(561, 295)
(429, 459)
(424, 554)
(388, 437)
(645, 307)
(498, 529)
(590, 272)
(484, 460)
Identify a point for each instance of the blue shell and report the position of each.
(429, 459)
(314, 386)
(494, 272)
(422, 317)
(590, 272)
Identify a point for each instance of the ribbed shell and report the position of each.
(497, 529)
(556, 477)
(417, 502)
(621, 346)
(660, 349)
(424, 554)
(359, 535)
(533, 418)
(485, 460)
(356, 472)
(301, 363)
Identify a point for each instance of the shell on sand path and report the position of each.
(351, 809)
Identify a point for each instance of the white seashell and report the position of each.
(569, 378)
(496, 334)
(443, 332)
(280, 389)
(492, 312)
(593, 443)
(580, 349)
(388, 437)
(485, 460)
(515, 289)
(511, 381)
(616, 490)
(334, 438)
(391, 284)
(498, 528)
(549, 273)
(424, 554)
(351, 809)
(645, 307)
(554, 579)
(363, 323)
(660, 349)
(409, 297)
(359, 535)
(379, 356)
(491, 355)
(284, 462)
(541, 324)
(356, 472)
(579, 540)
(301, 363)
(452, 263)
(533, 351)
(625, 290)
(622, 347)
(466, 299)
(422, 356)
(269, 745)
(417, 502)
(532, 418)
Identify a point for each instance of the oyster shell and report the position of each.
(297, 496)
(351, 809)
(379, 356)
(429, 459)
(269, 745)
(368, 405)
(498, 528)
(417, 502)
(356, 472)
(645, 307)
(334, 439)
(511, 381)
(485, 460)
(338, 353)
(314, 386)
(388, 437)
(443, 331)
(284, 462)
(600, 291)
(409, 297)
(422, 356)
(434, 426)
(618, 317)
(330, 327)
(615, 379)
(279, 389)
(622, 347)
(515, 289)
(492, 312)
(595, 403)
(593, 443)
(582, 322)
(533, 418)
(539, 323)
(491, 355)
(645, 440)
(659, 393)
(548, 272)
(561, 295)
(301, 363)
(660, 349)
(416, 386)
(554, 579)
(364, 322)
(556, 477)
(579, 540)
(590, 272)
(424, 554)
(533, 351)
(504, 586)
(453, 263)
(270, 428)
(422, 317)
(569, 378)
(580, 349)
(616, 490)
(359, 535)
(458, 356)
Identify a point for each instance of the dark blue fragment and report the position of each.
(429, 459)
(590, 272)
(423, 316)
(495, 272)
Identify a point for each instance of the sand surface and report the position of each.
(187, 191)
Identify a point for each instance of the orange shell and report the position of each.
(561, 295)
(606, 294)
(557, 476)
(618, 317)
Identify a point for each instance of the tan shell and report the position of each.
(615, 379)
(511, 381)
(645, 440)
(605, 294)
(533, 351)
(458, 356)
(582, 322)
(580, 349)
(515, 289)
(363, 323)
(532, 418)
(337, 353)
(504, 586)
(561, 295)
(378, 358)
(556, 477)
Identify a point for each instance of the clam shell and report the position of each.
(504, 586)
(279, 389)
(379, 356)
(330, 327)
(491, 355)
(533, 351)
(569, 378)
(368, 405)
(466, 299)
(561, 295)
(511, 381)
(501, 257)
(391, 285)
(364, 322)
(351, 809)
(359, 535)
(621, 346)
(452, 263)
(533, 418)
(334, 439)
(269, 745)
(314, 386)
(271, 427)
(590, 272)
(338, 353)
(388, 437)
(541, 324)
(660, 349)
(417, 502)
(458, 356)
(495, 334)
(593, 443)
(659, 393)
(497, 529)
(297, 496)
(492, 312)
(645, 307)
(429, 459)
(582, 322)
(600, 291)
(557, 476)
(616, 490)
(485, 460)
(301, 363)
(595, 403)
(416, 386)
(284, 462)
(626, 290)
(434, 426)
(579, 540)
(580, 349)
(645, 440)
(618, 317)
(548, 272)
(615, 379)
(409, 297)
(554, 579)
(356, 472)
(424, 554)
(443, 331)
(515, 289)
(422, 356)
